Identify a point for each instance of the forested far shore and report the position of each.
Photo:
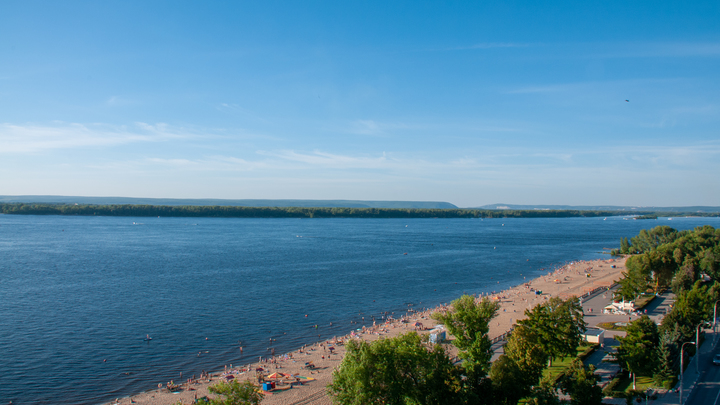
(133, 210)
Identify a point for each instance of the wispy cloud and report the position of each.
(330, 160)
(117, 101)
(540, 89)
(662, 49)
(373, 127)
(488, 45)
(31, 138)
(239, 111)
(366, 127)
(585, 86)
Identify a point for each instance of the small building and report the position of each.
(594, 336)
(438, 335)
(619, 308)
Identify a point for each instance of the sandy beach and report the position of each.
(308, 384)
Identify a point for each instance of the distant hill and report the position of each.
(221, 202)
(630, 209)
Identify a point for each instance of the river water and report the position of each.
(79, 294)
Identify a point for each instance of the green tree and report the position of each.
(684, 278)
(396, 371)
(691, 308)
(581, 384)
(510, 383)
(234, 393)
(468, 321)
(667, 369)
(637, 350)
(514, 373)
(648, 240)
(543, 393)
(556, 326)
(624, 246)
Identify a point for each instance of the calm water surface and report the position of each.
(79, 294)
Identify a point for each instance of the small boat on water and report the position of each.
(147, 338)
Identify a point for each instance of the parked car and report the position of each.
(716, 360)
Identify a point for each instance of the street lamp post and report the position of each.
(715, 321)
(697, 349)
(682, 366)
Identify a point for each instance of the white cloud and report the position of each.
(488, 45)
(663, 49)
(372, 127)
(32, 138)
(365, 127)
(336, 161)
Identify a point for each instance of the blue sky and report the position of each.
(467, 102)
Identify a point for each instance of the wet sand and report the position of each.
(573, 279)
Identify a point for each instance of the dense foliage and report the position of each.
(665, 257)
(689, 262)
(408, 370)
(638, 349)
(468, 322)
(556, 326)
(138, 210)
(234, 393)
(581, 385)
(396, 371)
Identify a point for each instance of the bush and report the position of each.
(668, 384)
(590, 349)
(609, 390)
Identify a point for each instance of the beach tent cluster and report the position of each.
(280, 379)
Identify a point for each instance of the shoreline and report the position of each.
(575, 278)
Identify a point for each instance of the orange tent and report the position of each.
(279, 375)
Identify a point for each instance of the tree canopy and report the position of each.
(468, 322)
(553, 328)
(234, 393)
(581, 384)
(638, 349)
(396, 371)
(519, 369)
(556, 326)
(664, 255)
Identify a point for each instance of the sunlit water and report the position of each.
(79, 294)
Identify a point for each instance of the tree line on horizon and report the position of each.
(133, 210)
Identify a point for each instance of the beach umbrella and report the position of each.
(230, 377)
(259, 369)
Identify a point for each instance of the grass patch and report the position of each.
(641, 383)
(643, 300)
(559, 365)
(611, 326)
